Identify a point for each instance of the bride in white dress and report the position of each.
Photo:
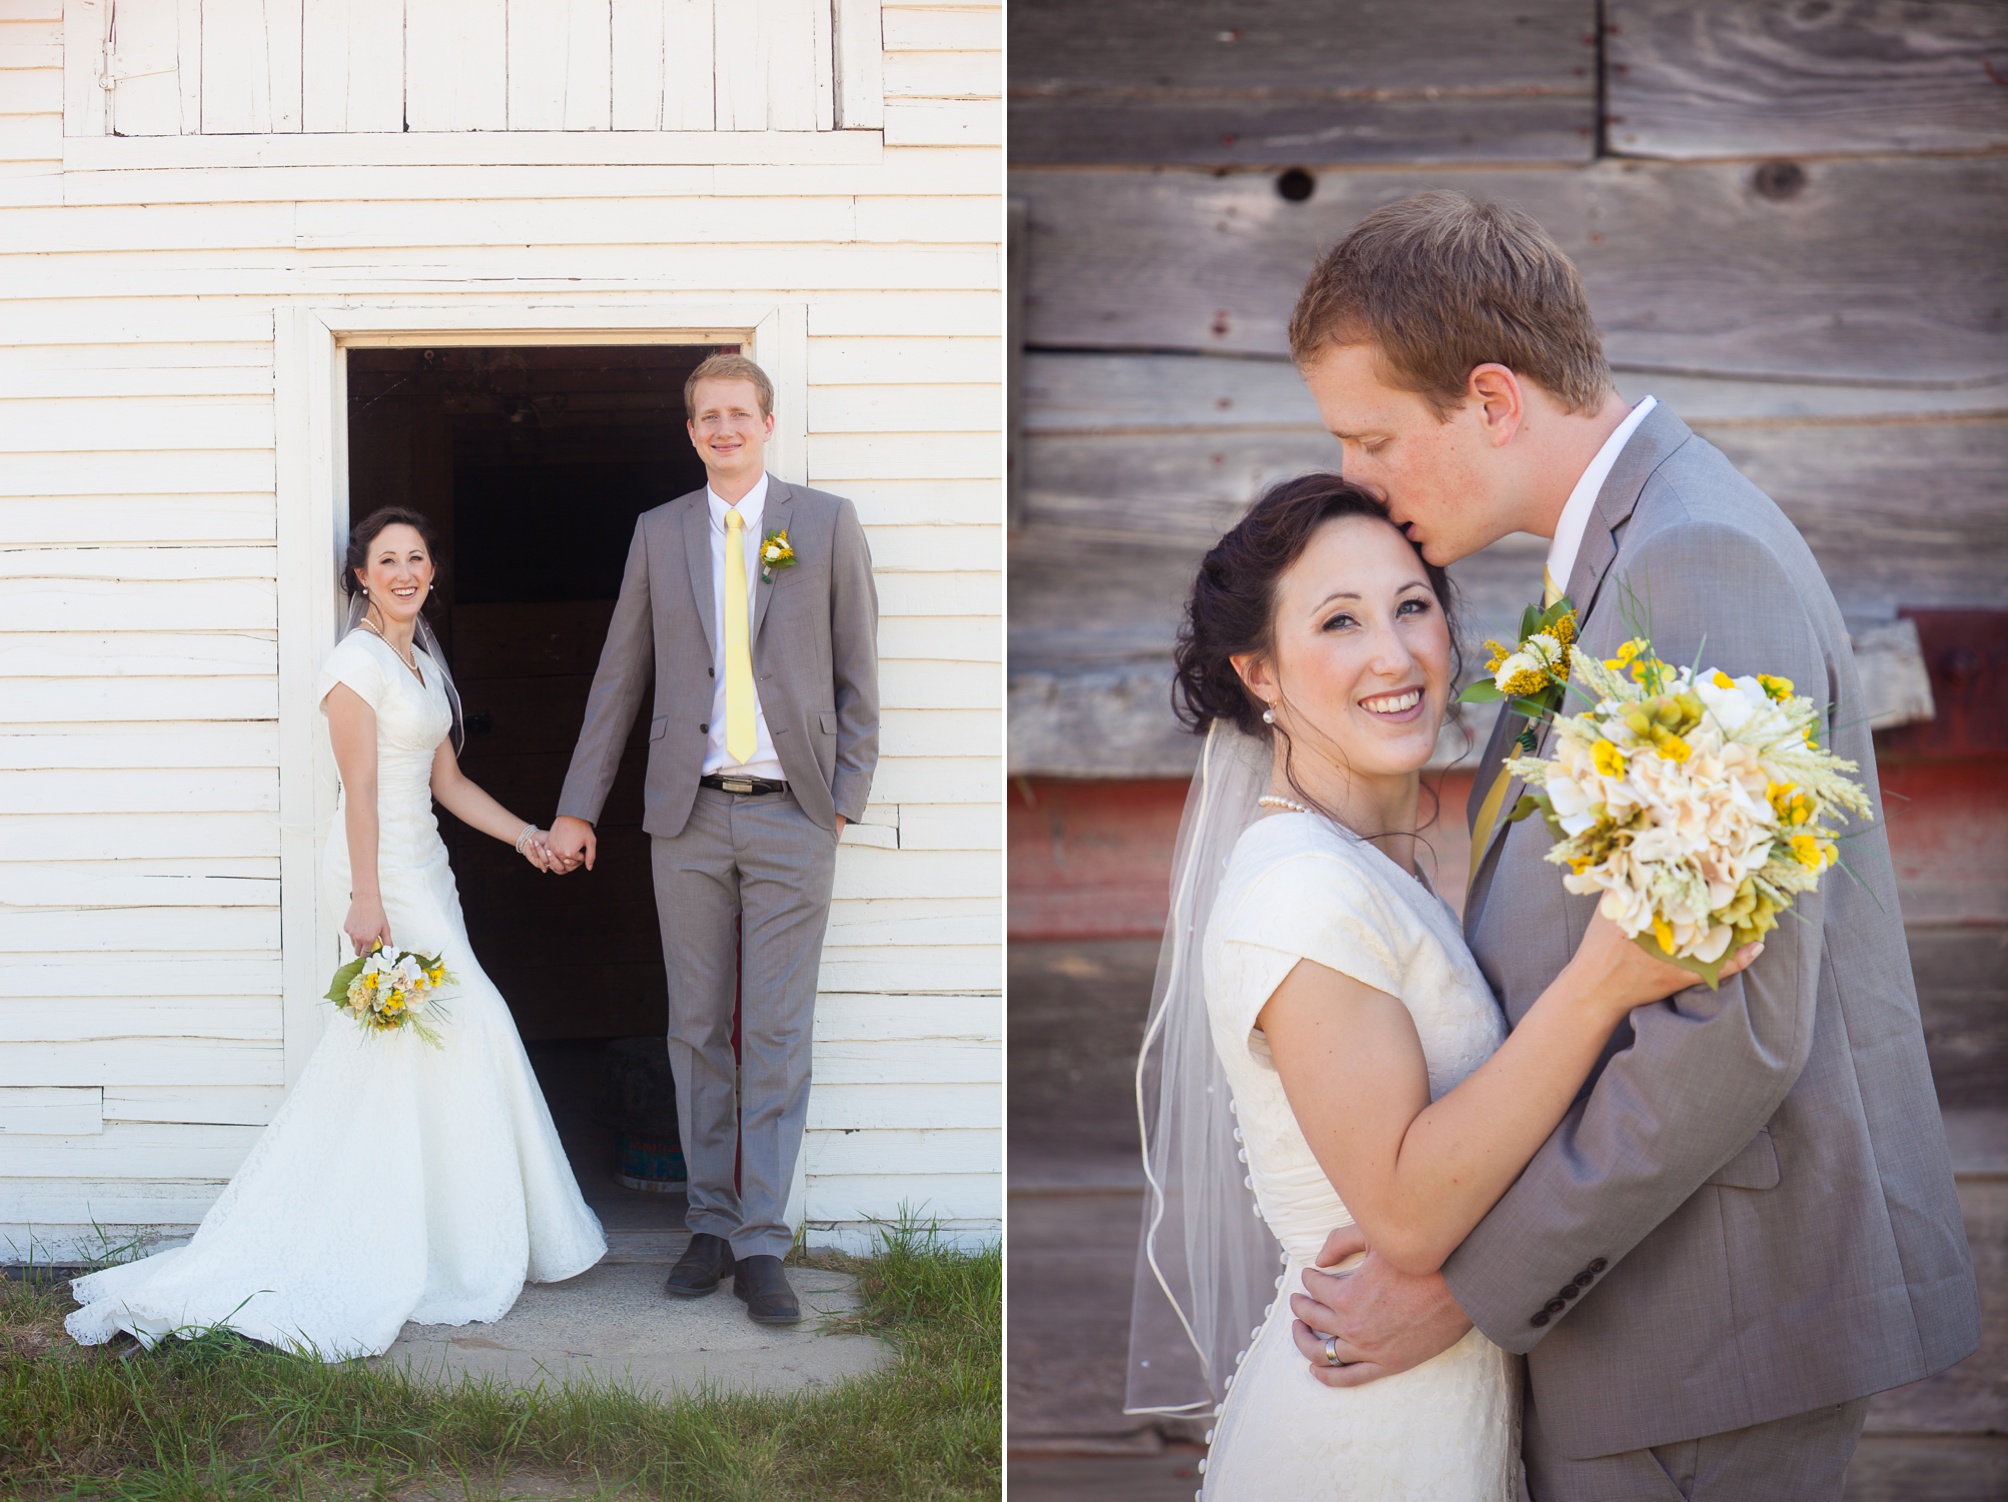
(1366, 1070)
(397, 1181)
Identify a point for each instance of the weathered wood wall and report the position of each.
(1790, 220)
(141, 734)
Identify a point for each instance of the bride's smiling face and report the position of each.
(398, 574)
(1358, 672)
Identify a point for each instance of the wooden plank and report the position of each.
(944, 75)
(352, 75)
(237, 95)
(766, 75)
(856, 1018)
(64, 1018)
(180, 882)
(861, 36)
(944, 122)
(35, 701)
(1961, 991)
(885, 1107)
(560, 65)
(158, 1062)
(36, 930)
(948, 1196)
(86, 29)
(1213, 84)
(139, 790)
(1689, 268)
(487, 146)
(163, 744)
(979, 1151)
(220, 1105)
(34, 838)
(950, 826)
(153, 605)
(132, 1150)
(890, 358)
(939, 685)
(140, 655)
(456, 66)
(1690, 79)
(1076, 1021)
(51, 1111)
(146, 43)
(614, 222)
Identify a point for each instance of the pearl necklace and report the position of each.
(1271, 800)
(402, 657)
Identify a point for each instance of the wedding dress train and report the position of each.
(1448, 1430)
(397, 1181)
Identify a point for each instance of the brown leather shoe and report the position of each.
(770, 1299)
(704, 1263)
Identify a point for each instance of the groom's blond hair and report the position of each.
(1441, 283)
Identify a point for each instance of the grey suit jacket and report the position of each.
(1749, 1211)
(815, 661)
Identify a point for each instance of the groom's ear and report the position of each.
(1494, 392)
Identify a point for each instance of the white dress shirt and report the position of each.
(763, 763)
(1582, 501)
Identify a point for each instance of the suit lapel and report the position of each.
(1657, 436)
(697, 555)
(774, 517)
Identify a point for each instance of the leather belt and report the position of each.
(725, 782)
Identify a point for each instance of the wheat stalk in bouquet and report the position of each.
(391, 990)
(1698, 804)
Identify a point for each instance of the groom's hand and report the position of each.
(1386, 1321)
(571, 840)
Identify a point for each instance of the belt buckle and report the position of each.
(735, 784)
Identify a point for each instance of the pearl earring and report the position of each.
(1269, 716)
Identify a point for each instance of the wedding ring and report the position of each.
(1332, 1351)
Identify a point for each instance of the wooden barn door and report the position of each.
(533, 463)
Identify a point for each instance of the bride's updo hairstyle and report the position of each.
(1232, 607)
(365, 533)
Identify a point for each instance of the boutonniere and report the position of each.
(775, 553)
(1532, 674)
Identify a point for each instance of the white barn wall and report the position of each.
(140, 738)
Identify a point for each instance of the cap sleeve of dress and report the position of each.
(352, 663)
(1320, 906)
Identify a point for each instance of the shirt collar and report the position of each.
(1582, 502)
(751, 505)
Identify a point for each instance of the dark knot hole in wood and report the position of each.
(1779, 181)
(1296, 184)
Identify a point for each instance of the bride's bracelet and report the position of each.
(524, 838)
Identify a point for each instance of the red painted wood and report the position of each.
(1966, 653)
(1092, 860)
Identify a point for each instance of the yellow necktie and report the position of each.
(739, 737)
(1488, 811)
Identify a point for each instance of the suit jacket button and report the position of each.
(1584, 1280)
(704, 729)
(1540, 1318)
(1569, 1290)
(1555, 1306)
(1598, 1265)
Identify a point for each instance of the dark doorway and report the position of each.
(533, 463)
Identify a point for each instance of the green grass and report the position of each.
(221, 1419)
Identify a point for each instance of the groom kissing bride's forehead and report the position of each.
(1745, 1224)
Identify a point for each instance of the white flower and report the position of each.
(1514, 665)
(1731, 706)
(1544, 648)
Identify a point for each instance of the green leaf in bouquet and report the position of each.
(1484, 691)
(1528, 804)
(1709, 970)
(338, 991)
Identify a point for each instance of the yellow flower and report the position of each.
(1663, 931)
(1779, 689)
(1722, 680)
(1674, 749)
(1500, 652)
(1526, 681)
(1626, 652)
(1806, 850)
(1607, 759)
(1564, 630)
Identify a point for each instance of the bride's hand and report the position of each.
(537, 851)
(1617, 971)
(366, 924)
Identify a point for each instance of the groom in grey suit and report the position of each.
(1746, 1223)
(748, 609)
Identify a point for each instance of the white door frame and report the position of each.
(311, 394)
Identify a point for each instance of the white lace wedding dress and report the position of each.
(1446, 1431)
(397, 1181)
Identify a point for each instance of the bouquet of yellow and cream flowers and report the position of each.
(391, 989)
(1700, 805)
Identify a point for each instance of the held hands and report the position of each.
(1382, 1321)
(1613, 969)
(571, 844)
(366, 924)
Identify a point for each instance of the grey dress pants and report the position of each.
(758, 858)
